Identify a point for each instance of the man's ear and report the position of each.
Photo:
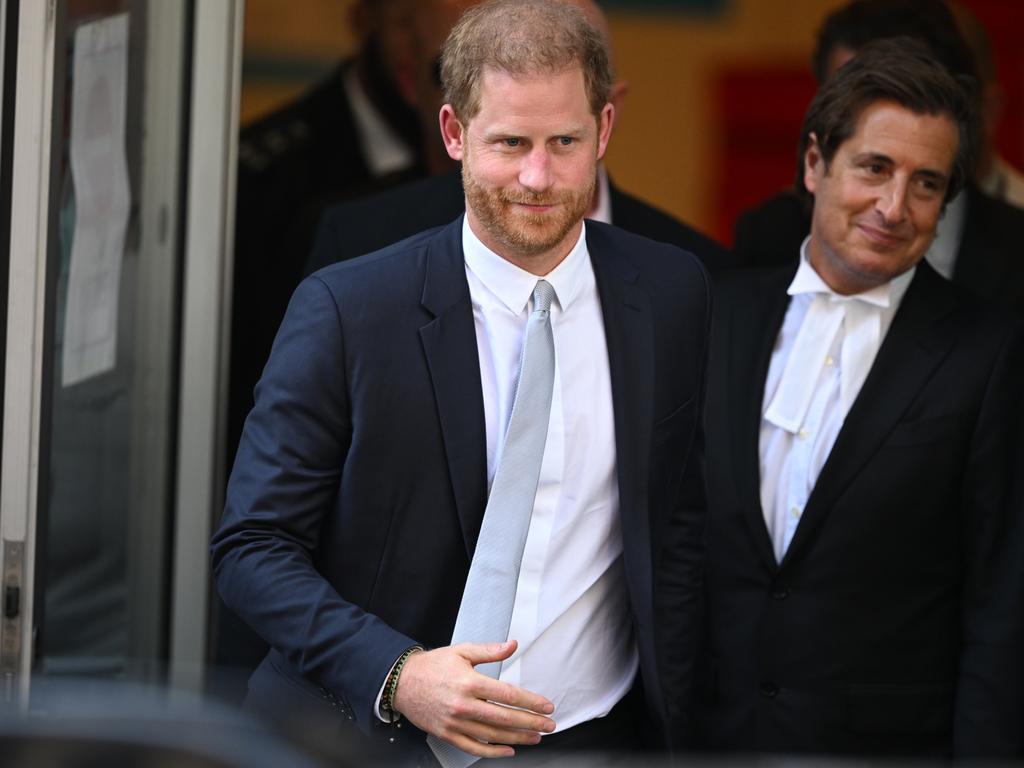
(605, 123)
(814, 163)
(452, 132)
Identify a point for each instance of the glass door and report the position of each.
(110, 232)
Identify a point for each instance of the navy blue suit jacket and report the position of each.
(360, 482)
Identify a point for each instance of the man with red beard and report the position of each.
(467, 506)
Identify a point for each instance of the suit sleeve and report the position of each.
(679, 588)
(988, 708)
(283, 484)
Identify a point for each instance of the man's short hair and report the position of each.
(900, 70)
(523, 37)
(860, 22)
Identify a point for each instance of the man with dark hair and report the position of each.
(467, 505)
(977, 242)
(864, 569)
(854, 25)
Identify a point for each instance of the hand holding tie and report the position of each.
(441, 693)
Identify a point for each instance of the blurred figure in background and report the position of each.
(995, 176)
(978, 240)
(357, 132)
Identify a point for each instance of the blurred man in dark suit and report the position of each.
(994, 175)
(357, 132)
(864, 537)
(978, 239)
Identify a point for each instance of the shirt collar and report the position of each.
(385, 151)
(514, 286)
(807, 280)
(603, 211)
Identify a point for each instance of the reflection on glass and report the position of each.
(112, 320)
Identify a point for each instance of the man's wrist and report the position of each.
(386, 709)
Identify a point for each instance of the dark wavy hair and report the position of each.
(901, 70)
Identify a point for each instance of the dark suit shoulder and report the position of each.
(289, 133)
(741, 285)
(674, 280)
(635, 215)
(644, 253)
(771, 233)
(367, 224)
(989, 260)
(388, 262)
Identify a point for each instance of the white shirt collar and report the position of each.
(603, 211)
(807, 280)
(514, 286)
(385, 152)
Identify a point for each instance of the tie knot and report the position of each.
(542, 295)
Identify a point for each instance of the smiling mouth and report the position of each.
(880, 236)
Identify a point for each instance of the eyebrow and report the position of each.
(878, 157)
(500, 132)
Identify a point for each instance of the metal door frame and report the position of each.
(212, 99)
(23, 364)
(209, 244)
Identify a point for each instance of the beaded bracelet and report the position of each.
(387, 703)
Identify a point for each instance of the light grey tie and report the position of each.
(486, 608)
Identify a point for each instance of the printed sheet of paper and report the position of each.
(99, 170)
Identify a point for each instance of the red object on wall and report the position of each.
(760, 109)
(1004, 20)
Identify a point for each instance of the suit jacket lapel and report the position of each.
(754, 324)
(629, 335)
(449, 343)
(914, 346)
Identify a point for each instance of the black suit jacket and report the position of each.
(893, 623)
(357, 495)
(362, 226)
(989, 261)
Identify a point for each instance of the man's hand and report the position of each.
(441, 693)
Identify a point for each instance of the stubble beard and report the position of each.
(523, 233)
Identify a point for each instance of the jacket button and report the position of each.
(769, 689)
(780, 593)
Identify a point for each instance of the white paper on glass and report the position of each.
(99, 171)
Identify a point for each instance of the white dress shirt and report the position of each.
(1004, 182)
(943, 251)
(384, 150)
(571, 614)
(822, 355)
(603, 197)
